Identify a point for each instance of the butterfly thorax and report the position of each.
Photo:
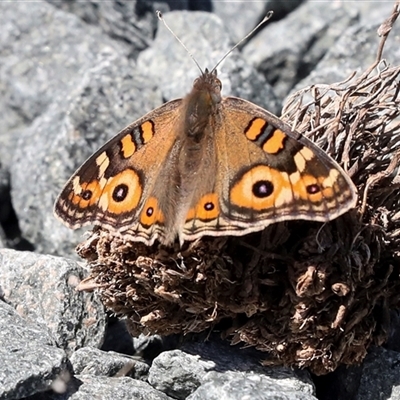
(194, 152)
(201, 104)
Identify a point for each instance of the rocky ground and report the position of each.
(72, 74)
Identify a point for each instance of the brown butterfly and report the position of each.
(204, 165)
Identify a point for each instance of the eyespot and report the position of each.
(151, 213)
(120, 192)
(209, 206)
(206, 209)
(260, 188)
(263, 188)
(313, 189)
(86, 195)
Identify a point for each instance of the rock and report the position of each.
(216, 370)
(178, 374)
(239, 385)
(43, 291)
(149, 347)
(30, 359)
(353, 52)
(94, 362)
(117, 389)
(131, 23)
(286, 50)
(379, 376)
(249, 16)
(42, 55)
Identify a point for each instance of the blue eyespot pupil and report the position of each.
(263, 188)
(120, 192)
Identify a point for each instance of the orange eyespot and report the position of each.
(122, 192)
(206, 209)
(151, 213)
(88, 193)
(260, 188)
(315, 189)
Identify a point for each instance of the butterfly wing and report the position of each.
(114, 187)
(255, 171)
(266, 173)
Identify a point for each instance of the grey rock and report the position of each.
(95, 362)
(240, 17)
(130, 22)
(355, 51)
(43, 290)
(373, 12)
(204, 35)
(178, 374)
(287, 50)
(143, 342)
(116, 389)
(209, 374)
(5, 203)
(241, 385)
(43, 52)
(30, 360)
(380, 376)
(282, 8)
(3, 238)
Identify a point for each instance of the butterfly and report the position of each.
(204, 165)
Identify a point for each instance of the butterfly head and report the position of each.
(208, 86)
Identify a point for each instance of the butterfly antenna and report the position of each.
(266, 18)
(160, 17)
